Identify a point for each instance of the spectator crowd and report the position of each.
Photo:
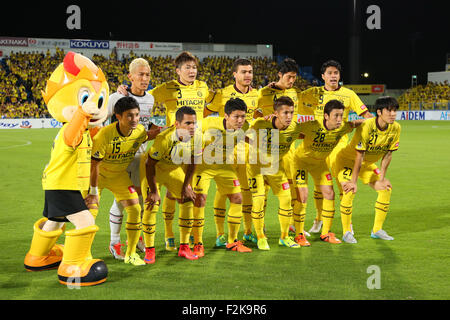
(24, 75)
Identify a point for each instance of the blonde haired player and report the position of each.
(139, 75)
(186, 90)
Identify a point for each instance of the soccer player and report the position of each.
(114, 148)
(139, 75)
(169, 96)
(243, 74)
(320, 138)
(161, 166)
(375, 139)
(313, 100)
(287, 74)
(221, 135)
(270, 142)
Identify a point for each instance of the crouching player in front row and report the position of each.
(375, 139)
(113, 149)
(321, 137)
(162, 165)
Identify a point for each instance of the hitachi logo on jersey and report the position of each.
(120, 156)
(190, 103)
(378, 148)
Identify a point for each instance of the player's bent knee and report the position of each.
(200, 200)
(129, 202)
(235, 198)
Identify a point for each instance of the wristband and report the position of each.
(93, 191)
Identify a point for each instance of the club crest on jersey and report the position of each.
(377, 171)
(329, 177)
(236, 183)
(285, 186)
(131, 189)
(200, 94)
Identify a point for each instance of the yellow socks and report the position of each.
(168, 210)
(318, 202)
(234, 221)
(149, 226)
(346, 209)
(198, 224)
(258, 215)
(185, 221)
(381, 208)
(284, 214)
(247, 211)
(133, 227)
(327, 215)
(220, 208)
(299, 216)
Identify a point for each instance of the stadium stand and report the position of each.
(431, 96)
(24, 75)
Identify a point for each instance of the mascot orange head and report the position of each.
(77, 82)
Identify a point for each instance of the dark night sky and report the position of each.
(414, 36)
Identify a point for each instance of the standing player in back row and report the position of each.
(139, 75)
(313, 100)
(186, 91)
(242, 88)
(375, 139)
(170, 96)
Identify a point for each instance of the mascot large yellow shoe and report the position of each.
(44, 253)
(76, 95)
(77, 267)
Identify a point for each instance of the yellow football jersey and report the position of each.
(319, 141)
(217, 138)
(267, 96)
(170, 150)
(115, 150)
(375, 142)
(68, 168)
(312, 101)
(172, 95)
(221, 97)
(266, 139)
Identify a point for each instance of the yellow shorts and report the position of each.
(278, 182)
(169, 176)
(241, 172)
(341, 145)
(318, 170)
(342, 169)
(119, 184)
(225, 176)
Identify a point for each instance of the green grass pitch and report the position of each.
(414, 266)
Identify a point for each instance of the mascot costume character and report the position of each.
(76, 95)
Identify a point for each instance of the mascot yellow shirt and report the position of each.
(69, 168)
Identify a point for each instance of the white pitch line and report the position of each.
(17, 145)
